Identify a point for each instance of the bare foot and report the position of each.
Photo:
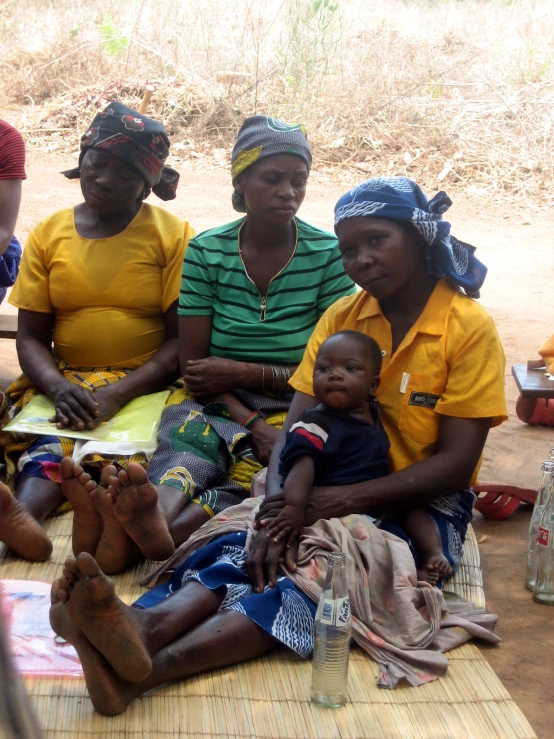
(137, 510)
(435, 568)
(107, 690)
(20, 531)
(87, 521)
(424, 575)
(116, 550)
(109, 625)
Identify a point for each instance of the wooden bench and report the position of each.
(531, 381)
(8, 327)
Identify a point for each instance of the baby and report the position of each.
(342, 440)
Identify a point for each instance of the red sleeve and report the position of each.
(12, 153)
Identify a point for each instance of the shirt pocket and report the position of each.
(418, 418)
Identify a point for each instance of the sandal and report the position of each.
(500, 501)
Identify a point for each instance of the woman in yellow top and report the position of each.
(101, 281)
(442, 382)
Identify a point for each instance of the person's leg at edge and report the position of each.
(223, 639)
(426, 539)
(22, 514)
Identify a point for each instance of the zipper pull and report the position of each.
(263, 308)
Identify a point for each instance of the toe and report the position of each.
(83, 476)
(90, 485)
(137, 474)
(113, 492)
(71, 566)
(66, 468)
(55, 592)
(108, 471)
(88, 565)
(123, 477)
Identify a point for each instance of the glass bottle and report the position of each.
(543, 495)
(551, 455)
(544, 585)
(332, 631)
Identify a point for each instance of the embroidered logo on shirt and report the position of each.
(423, 400)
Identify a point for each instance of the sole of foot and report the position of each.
(105, 687)
(87, 521)
(116, 550)
(109, 625)
(20, 531)
(136, 508)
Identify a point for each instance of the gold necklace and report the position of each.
(263, 298)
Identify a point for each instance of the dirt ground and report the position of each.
(517, 248)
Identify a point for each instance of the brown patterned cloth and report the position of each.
(137, 140)
(404, 625)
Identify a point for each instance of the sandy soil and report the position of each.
(518, 293)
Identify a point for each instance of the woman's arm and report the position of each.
(449, 469)
(209, 376)
(459, 446)
(10, 198)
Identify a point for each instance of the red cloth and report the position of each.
(12, 153)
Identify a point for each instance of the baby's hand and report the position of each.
(289, 521)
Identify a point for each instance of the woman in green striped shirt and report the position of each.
(252, 292)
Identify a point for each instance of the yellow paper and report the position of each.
(136, 422)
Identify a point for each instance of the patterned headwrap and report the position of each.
(398, 198)
(137, 140)
(261, 136)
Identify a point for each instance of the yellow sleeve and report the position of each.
(327, 325)
(30, 291)
(475, 383)
(547, 353)
(171, 276)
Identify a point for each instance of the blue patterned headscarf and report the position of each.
(398, 198)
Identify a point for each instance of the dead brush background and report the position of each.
(457, 93)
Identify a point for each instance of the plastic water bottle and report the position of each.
(544, 585)
(333, 627)
(543, 495)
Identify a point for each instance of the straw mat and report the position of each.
(269, 697)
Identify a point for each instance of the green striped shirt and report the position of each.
(215, 284)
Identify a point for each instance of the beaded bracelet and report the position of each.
(251, 419)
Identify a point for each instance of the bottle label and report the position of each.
(544, 535)
(335, 612)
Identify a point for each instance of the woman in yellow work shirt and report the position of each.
(442, 382)
(101, 281)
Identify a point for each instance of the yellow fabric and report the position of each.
(22, 391)
(453, 351)
(108, 295)
(245, 158)
(547, 353)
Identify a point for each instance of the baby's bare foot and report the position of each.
(435, 568)
(20, 531)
